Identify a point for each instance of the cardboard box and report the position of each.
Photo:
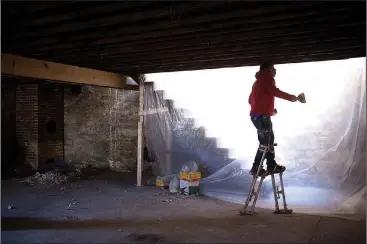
(189, 183)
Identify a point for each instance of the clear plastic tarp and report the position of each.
(203, 116)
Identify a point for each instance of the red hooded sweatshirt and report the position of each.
(263, 93)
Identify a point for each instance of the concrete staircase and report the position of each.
(164, 122)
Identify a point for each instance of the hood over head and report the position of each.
(264, 74)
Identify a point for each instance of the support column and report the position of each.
(140, 149)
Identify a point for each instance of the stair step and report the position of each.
(190, 121)
(187, 123)
(180, 115)
(159, 94)
(222, 152)
(149, 84)
(199, 132)
(209, 142)
(169, 103)
(149, 90)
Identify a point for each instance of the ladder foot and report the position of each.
(283, 211)
(245, 213)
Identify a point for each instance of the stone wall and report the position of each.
(101, 127)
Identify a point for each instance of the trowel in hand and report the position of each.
(301, 98)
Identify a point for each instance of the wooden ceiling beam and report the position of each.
(13, 65)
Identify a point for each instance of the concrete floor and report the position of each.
(114, 211)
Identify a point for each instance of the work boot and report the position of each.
(254, 169)
(272, 166)
(275, 169)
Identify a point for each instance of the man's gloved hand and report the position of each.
(294, 99)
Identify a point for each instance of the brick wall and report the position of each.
(101, 127)
(51, 110)
(36, 103)
(27, 121)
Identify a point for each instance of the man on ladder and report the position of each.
(261, 101)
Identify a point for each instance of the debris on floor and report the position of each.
(57, 176)
(172, 197)
(72, 202)
(48, 178)
(145, 238)
(11, 207)
(71, 218)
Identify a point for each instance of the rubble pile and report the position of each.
(48, 178)
(79, 168)
(59, 175)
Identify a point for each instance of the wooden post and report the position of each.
(140, 151)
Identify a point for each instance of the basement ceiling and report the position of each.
(147, 37)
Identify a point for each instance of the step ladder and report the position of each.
(256, 189)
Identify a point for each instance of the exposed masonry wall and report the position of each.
(101, 127)
(50, 109)
(36, 104)
(27, 121)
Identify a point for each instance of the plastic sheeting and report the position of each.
(322, 142)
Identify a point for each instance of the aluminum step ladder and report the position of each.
(256, 189)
